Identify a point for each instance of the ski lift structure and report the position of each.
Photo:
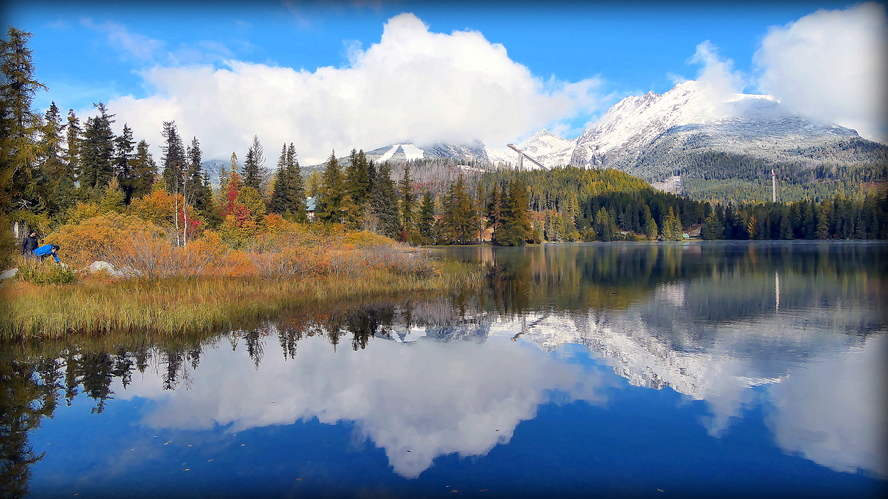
(522, 155)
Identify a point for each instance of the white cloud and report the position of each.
(717, 81)
(413, 85)
(830, 65)
(134, 44)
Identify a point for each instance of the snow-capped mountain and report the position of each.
(689, 132)
(469, 153)
(653, 136)
(547, 148)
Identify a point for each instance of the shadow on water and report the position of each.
(657, 313)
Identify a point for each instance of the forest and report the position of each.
(79, 184)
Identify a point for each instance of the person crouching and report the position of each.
(47, 250)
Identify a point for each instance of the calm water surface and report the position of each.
(640, 370)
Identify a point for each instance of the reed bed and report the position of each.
(180, 305)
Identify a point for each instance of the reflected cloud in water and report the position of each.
(416, 401)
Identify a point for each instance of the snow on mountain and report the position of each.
(408, 151)
(653, 136)
(474, 152)
(549, 149)
(639, 120)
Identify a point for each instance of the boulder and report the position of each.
(99, 266)
(9, 274)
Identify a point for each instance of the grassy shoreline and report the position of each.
(193, 304)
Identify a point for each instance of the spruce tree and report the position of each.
(174, 161)
(197, 190)
(254, 172)
(425, 222)
(459, 219)
(18, 122)
(408, 203)
(515, 229)
(123, 157)
(142, 171)
(385, 203)
(73, 137)
(329, 202)
(50, 152)
(296, 187)
(280, 195)
(97, 152)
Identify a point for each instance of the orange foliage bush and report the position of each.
(98, 238)
(273, 249)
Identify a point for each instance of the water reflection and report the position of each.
(796, 329)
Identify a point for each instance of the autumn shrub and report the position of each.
(98, 238)
(291, 262)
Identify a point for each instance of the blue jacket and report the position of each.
(46, 250)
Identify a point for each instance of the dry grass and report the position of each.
(179, 305)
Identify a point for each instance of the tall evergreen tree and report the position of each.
(254, 172)
(385, 203)
(296, 186)
(174, 162)
(515, 229)
(280, 191)
(408, 203)
(425, 220)
(143, 170)
(332, 190)
(197, 189)
(97, 152)
(459, 218)
(288, 195)
(18, 122)
(51, 169)
(73, 137)
(123, 157)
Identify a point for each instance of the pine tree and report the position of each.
(197, 190)
(385, 203)
(51, 169)
(142, 171)
(296, 186)
(494, 208)
(329, 202)
(123, 157)
(408, 203)
(73, 137)
(97, 153)
(18, 122)
(173, 160)
(280, 200)
(459, 218)
(515, 229)
(254, 172)
(425, 221)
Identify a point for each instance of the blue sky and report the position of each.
(325, 75)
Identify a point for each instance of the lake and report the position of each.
(608, 369)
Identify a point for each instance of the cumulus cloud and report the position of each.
(830, 65)
(413, 85)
